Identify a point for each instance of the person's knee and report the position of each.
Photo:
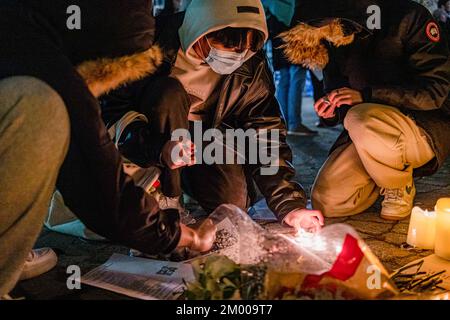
(363, 122)
(358, 117)
(374, 129)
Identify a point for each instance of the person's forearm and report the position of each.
(281, 193)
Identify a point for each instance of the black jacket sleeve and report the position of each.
(429, 61)
(260, 110)
(91, 178)
(95, 187)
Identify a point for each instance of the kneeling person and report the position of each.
(390, 89)
(217, 74)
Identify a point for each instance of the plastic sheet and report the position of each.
(251, 244)
(335, 261)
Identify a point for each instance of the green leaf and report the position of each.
(228, 292)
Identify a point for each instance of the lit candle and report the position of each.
(442, 248)
(422, 229)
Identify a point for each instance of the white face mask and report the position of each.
(225, 62)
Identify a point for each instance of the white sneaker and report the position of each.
(39, 261)
(175, 203)
(398, 203)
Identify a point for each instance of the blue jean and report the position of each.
(290, 83)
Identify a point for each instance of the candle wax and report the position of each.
(422, 229)
(442, 248)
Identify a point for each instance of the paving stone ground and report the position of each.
(384, 238)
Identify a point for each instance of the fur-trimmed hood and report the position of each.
(113, 44)
(317, 22)
(405, 64)
(106, 74)
(304, 44)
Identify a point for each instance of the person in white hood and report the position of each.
(216, 73)
(217, 38)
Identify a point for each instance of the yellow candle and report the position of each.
(442, 248)
(422, 229)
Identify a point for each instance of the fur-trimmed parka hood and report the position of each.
(106, 74)
(304, 44)
(110, 42)
(318, 22)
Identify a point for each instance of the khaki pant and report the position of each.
(387, 146)
(34, 137)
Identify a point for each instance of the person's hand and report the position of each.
(326, 106)
(345, 96)
(205, 236)
(178, 154)
(309, 220)
(201, 239)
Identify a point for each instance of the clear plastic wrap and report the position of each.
(335, 260)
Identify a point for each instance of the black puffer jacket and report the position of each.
(405, 64)
(246, 101)
(114, 46)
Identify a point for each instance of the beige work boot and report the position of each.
(398, 203)
(39, 261)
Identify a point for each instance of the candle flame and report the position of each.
(314, 241)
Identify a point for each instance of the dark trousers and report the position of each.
(213, 185)
(166, 104)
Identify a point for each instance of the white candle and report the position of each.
(442, 248)
(422, 229)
